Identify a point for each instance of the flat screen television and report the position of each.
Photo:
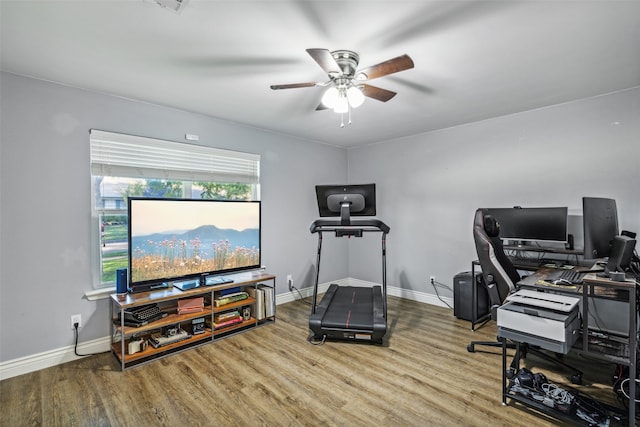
(600, 225)
(539, 224)
(174, 239)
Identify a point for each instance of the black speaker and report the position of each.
(122, 287)
(463, 294)
(569, 244)
(621, 253)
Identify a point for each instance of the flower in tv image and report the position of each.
(176, 238)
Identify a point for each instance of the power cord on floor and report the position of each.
(300, 293)
(311, 339)
(435, 285)
(75, 347)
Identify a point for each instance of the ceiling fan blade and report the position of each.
(391, 66)
(321, 107)
(377, 93)
(325, 60)
(294, 85)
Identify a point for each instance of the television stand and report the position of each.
(222, 314)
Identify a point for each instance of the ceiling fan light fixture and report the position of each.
(355, 96)
(330, 97)
(347, 89)
(342, 106)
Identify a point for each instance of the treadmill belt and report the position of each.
(350, 308)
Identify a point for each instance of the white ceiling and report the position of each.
(473, 59)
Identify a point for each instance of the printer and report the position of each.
(547, 320)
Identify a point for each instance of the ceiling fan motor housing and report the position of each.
(347, 60)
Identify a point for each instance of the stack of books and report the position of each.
(227, 319)
(228, 299)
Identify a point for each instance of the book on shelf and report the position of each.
(228, 299)
(226, 315)
(233, 290)
(269, 300)
(191, 305)
(227, 322)
(258, 295)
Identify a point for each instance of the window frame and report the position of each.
(127, 156)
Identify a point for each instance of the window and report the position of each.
(126, 165)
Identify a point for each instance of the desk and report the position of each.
(591, 343)
(517, 255)
(528, 281)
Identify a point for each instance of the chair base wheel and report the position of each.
(470, 348)
(576, 378)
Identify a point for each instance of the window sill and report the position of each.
(97, 294)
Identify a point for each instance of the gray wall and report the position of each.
(428, 188)
(429, 185)
(45, 212)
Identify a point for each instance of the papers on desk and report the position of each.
(544, 300)
(557, 285)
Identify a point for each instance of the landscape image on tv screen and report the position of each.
(175, 238)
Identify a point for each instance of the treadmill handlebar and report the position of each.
(320, 225)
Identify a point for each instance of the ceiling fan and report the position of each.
(347, 85)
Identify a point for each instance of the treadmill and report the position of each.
(348, 313)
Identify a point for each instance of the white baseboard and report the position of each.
(47, 359)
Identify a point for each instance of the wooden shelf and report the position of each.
(168, 294)
(151, 350)
(235, 304)
(171, 319)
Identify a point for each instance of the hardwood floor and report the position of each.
(422, 375)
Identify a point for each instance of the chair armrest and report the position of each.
(494, 296)
(492, 290)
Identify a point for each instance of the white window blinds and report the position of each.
(115, 154)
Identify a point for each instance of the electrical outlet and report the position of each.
(76, 318)
(290, 281)
(432, 279)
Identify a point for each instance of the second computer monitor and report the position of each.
(538, 224)
(600, 223)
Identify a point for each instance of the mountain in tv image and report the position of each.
(207, 234)
(206, 248)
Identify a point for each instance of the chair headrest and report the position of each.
(491, 226)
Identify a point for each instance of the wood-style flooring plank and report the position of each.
(271, 376)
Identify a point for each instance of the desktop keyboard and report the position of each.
(523, 262)
(571, 276)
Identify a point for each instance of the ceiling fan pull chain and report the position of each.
(341, 120)
(349, 114)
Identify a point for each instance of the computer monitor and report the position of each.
(540, 224)
(346, 200)
(600, 224)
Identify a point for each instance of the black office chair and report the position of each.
(500, 278)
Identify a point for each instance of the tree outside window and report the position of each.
(111, 204)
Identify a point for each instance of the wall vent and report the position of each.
(174, 5)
